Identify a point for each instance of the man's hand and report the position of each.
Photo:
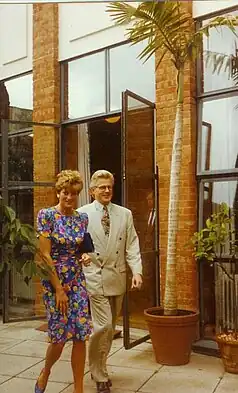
(85, 259)
(136, 281)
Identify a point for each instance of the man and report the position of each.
(116, 243)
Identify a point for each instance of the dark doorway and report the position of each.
(105, 150)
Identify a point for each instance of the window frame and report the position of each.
(108, 112)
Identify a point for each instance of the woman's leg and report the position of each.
(52, 355)
(78, 362)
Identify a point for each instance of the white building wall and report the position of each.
(84, 28)
(16, 39)
(201, 8)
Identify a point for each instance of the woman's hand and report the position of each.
(85, 259)
(62, 301)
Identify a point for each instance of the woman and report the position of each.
(61, 230)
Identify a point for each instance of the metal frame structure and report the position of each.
(128, 344)
(209, 176)
(7, 186)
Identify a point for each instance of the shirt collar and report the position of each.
(99, 206)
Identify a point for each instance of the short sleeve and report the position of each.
(44, 225)
(84, 219)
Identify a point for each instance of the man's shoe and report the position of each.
(103, 387)
(109, 382)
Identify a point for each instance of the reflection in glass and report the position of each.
(21, 201)
(220, 42)
(20, 159)
(219, 141)
(212, 278)
(86, 86)
(19, 99)
(129, 72)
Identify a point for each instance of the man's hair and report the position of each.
(100, 174)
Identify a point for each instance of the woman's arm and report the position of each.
(61, 297)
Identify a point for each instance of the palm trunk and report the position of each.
(170, 298)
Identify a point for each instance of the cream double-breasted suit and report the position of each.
(106, 277)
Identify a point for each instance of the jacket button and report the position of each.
(117, 252)
(119, 238)
(98, 253)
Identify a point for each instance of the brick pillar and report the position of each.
(46, 108)
(166, 106)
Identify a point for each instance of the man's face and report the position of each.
(103, 191)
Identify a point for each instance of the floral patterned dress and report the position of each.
(66, 234)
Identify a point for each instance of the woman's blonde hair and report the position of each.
(68, 178)
(100, 174)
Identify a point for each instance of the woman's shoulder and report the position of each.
(81, 216)
(47, 212)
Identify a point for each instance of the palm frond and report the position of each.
(195, 42)
(163, 24)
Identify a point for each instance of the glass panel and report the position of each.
(214, 193)
(221, 42)
(18, 97)
(27, 164)
(140, 199)
(92, 146)
(129, 72)
(0, 157)
(219, 141)
(86, 92)
(20, 159)
(26, 300)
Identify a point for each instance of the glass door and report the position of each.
(140, 196)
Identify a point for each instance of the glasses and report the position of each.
(104, 188)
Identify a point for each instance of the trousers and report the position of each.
(105, 311)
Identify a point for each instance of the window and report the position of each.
(127, 71)
(93, 84)
(217, 166)
(220, 44)
(219, 134)
(19, 92)
(86, 86)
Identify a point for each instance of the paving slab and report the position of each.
(175, 382)
(29, 348)
(134, 359)
(21, 385)
(124, 378)
(12, 365)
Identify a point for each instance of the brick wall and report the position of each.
(166, 105)
(46, 108)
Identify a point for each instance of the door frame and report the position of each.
(128, 344)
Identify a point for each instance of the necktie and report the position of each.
(106, 221)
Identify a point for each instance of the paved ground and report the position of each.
(22, 350)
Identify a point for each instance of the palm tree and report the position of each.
(169, 31)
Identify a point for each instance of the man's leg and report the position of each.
(98, 343)
(116, 305)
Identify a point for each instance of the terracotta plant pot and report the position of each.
(172, 336)
(228, 346)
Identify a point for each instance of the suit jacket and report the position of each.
(106, 275)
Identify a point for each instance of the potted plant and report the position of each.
(217, 244)
(18, 245)
(169, 31)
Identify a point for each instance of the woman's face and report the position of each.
(68, 197)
